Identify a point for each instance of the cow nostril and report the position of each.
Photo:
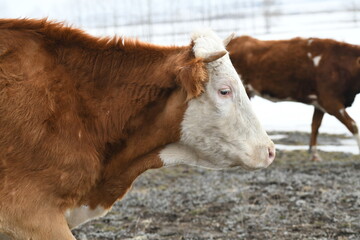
(271, 151)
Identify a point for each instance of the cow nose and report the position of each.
(271, 153)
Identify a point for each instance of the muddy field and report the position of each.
(292, 199)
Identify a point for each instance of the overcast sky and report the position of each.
(35, 9)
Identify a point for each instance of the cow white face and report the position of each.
(219, 129)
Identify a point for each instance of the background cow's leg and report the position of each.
(344, 117)
(316, 122)
(338, 111)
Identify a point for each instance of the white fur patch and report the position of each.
(314, 149)
(357, 137)
(219, 131)
(80, 134)
(354, 123)
(312, 97)
(177, 153)
(174, 154)
(342, 112)
(206, 42)
(318, 106)
(310, 40)
(252, 89)
(316, 60)
(82, 214)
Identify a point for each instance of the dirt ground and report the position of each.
(292, 199)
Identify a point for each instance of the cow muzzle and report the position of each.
(259, 157)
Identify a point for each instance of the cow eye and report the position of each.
(225, 91)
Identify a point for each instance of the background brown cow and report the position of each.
(321, 72)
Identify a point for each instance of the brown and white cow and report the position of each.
(321, 72)
(82, 117)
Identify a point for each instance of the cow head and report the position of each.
(219, 129)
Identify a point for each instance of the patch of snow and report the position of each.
(326, 148)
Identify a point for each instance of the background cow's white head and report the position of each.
(219, 129)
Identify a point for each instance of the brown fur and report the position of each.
(81, 118)
(193, 71)
(283, 69)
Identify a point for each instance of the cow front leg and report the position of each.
(315, 125)
(42, 225)
(350, 124)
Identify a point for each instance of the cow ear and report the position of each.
(214, 56)
(228, 39)
(192, 78)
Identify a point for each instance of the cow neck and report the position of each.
(139, 151)
(138, 107)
